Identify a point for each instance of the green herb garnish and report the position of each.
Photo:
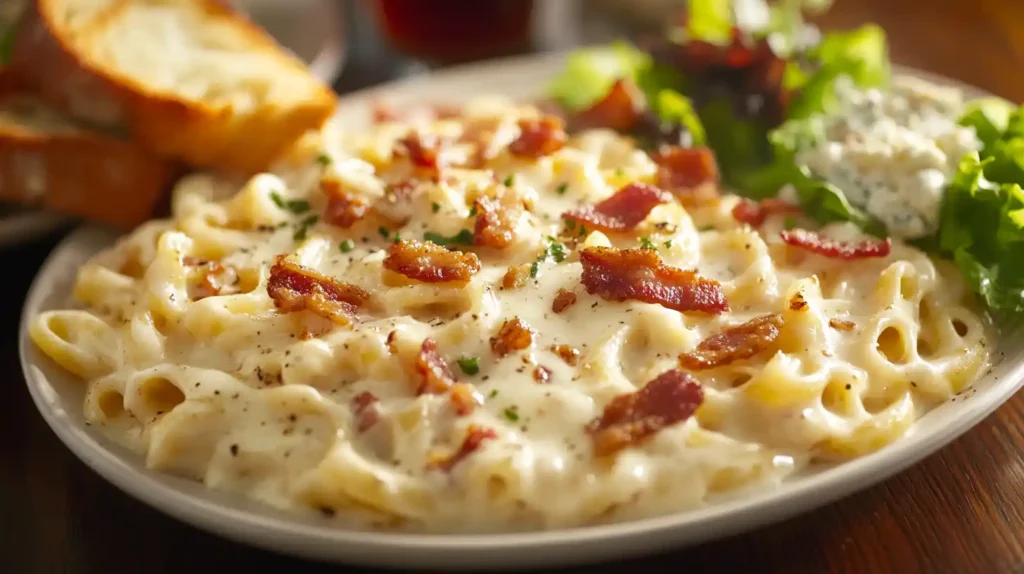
(323, 159)
(463, 237)
(511, 414)
(510, 179)
(303, 228)
(469, 365)
(561, 189)
(347, 245)
(384, 232)
(646, 243)
(435, 207)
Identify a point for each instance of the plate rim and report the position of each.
(333, 542)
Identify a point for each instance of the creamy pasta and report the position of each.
(220, 360)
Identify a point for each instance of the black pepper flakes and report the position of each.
(234, 450)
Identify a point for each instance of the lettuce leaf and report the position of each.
(861, 54)
(989, 117)
(981, 226)
(590, 72)
(710, 20)
(6, 45)
(676, 109)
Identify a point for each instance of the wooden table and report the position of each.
(960, 511)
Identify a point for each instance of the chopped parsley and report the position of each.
(646, 243)
(397, 237)
(707, 228)
(347, 245)
(668, 243)
(790, 222)
(510, 180)
(303, 228)
(555, 250)
(463, 237)
(384, 232)
(472, 211)
(435, 207)
(323, 159)
(562, 188)
(534, 267)
(494, 393)
(511, 414)
(469, 365)
(296, 206)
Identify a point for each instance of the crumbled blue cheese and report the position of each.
(892, 152)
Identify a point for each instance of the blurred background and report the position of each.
(355, 43)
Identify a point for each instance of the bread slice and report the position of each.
(48, 161)
(189, 79)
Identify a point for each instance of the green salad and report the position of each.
(773, 99)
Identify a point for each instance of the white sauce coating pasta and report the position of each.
(229, 391)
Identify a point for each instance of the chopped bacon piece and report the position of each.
(539, 137)
(841, 324)
(798, 303)
(464, 398)
(365, 406)
(622, 211)
(436, 377)
(514, 335)
(431, 263)
(754, 213)
(541, 374)
(475, 436)
(833, 249)
(640, 274)
(689, 173)
(563, 300)
(516, 277)
(495, 223)
(569, 354)
(296, 288)
(629, 419)
(734, 344)
(344, 209)
(423, 150)
(621, 109)
(215, 280)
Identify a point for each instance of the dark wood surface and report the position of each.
(959, 511)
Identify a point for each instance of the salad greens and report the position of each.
(981, 224)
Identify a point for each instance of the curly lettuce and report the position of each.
(589, 74)
(981, 221)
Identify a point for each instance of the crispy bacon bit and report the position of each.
(689, 173)
(541, 375)
(833, 249)
(193, 261)
(563, 300)
(539, 137)
(475, 436)
(754, 213)
(436, 377)
(423, 150)
(622, 211)
(296, 288)
(798, 303)
(516, 277)
(734, 344)
(514, 335)
(464, 398)
(365, 406)
(640, 274)
(344, 209)
(841, 324)
(216, 278)
(495, 223)
(569, 354)
(431, 263)
(621, 109)
(629, 419)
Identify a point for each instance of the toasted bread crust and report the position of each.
(193, 131)
(80, 173)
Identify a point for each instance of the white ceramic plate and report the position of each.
(59, 399)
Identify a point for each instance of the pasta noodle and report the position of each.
(248, 343)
